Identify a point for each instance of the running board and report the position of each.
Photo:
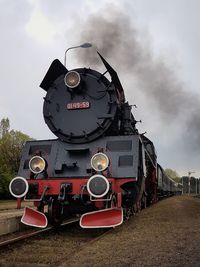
(33, 217)
(102, 218)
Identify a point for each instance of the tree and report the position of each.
(5, 177)
(4, 127)
(11, 145)
(173, 175)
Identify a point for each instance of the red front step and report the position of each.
(34, 218)
(102, 218)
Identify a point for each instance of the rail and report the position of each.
(37, 232)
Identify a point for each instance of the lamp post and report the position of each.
(196, 180)
(85, 45)
(199, 186)
(182, 185)
(189, 177)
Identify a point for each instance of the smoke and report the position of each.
(116, 38)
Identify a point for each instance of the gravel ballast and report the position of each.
(166, 234)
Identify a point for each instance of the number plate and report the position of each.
(78, 105)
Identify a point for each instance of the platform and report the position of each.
(10, 217)
(10, 221)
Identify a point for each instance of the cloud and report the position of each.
(39, 27)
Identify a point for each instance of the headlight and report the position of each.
(18, 187)
(98, 186)
(99, 162)
(37, 164)
(72, 79)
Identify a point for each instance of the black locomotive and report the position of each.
(100, 167)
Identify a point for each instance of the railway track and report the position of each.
(13, 240)
(48, 247)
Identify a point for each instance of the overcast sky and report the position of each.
(166, 37)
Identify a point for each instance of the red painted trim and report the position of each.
(77, 184)
(102, 218)
(119, 200)
(19, 202)
(33, 217)
(99, 204)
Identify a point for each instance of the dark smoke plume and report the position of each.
(120, 43)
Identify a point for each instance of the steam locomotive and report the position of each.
(99, 167)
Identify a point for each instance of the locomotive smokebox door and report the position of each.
(80, 105)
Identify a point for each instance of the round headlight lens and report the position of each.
(72, 79)
(18, 187)
(98, 186)
(37, 164)
(99, 162)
